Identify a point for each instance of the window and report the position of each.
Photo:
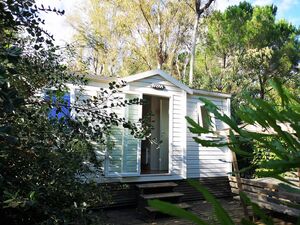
(205, 118)
(82, 96)
(60, 104)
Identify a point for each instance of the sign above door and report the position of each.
(158, 86)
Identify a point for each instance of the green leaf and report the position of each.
(281, 164)
(195, 127)
(247, 222)
(256, 209)
(275, 83)
(32, 195)
(214, 109)
(289, 188)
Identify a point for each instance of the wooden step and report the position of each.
(182, 205)
(156, 185)
(161, 195)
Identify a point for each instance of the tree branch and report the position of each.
(144, 15)
(200, 10)
(189, 5)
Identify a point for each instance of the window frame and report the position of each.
(213, 125)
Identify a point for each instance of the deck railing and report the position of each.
(268, 194)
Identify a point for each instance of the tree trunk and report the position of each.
(193, 50)
(224, 60)
(199, 11)
(186, 62)
(261, 87)
(160, 59)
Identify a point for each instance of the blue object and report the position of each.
(64, 111)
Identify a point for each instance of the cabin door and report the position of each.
(155, 153)
(123, 154)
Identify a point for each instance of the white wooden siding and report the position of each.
(206, 161)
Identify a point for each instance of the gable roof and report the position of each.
(166, 76)
(161, 73)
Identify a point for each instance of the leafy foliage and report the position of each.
(279, 135)
(244, 48)
(260, 153)
(125, 37)
(40, 157)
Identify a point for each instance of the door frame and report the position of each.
(171, 99)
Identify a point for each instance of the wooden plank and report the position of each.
(211, 180)
(162, 195)
(255, 183)
(156, 185)
(273, 190)
(275, 207)
(251, 188)
(238, 180)
(298, 171)
(270, 199)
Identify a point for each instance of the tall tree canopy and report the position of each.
(244, 48)
(123, 37)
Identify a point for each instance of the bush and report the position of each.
(40, 157)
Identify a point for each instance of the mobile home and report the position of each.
(178, 157)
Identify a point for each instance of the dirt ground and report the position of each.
(203, 209)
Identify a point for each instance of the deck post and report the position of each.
(298, 176)
(238, 181)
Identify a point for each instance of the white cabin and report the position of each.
(178, 156)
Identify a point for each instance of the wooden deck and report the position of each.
(125, 194)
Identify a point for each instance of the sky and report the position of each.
(63, 32)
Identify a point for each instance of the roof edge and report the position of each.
(211, 93)
(165, 75)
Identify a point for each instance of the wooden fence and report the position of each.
(269, 195)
